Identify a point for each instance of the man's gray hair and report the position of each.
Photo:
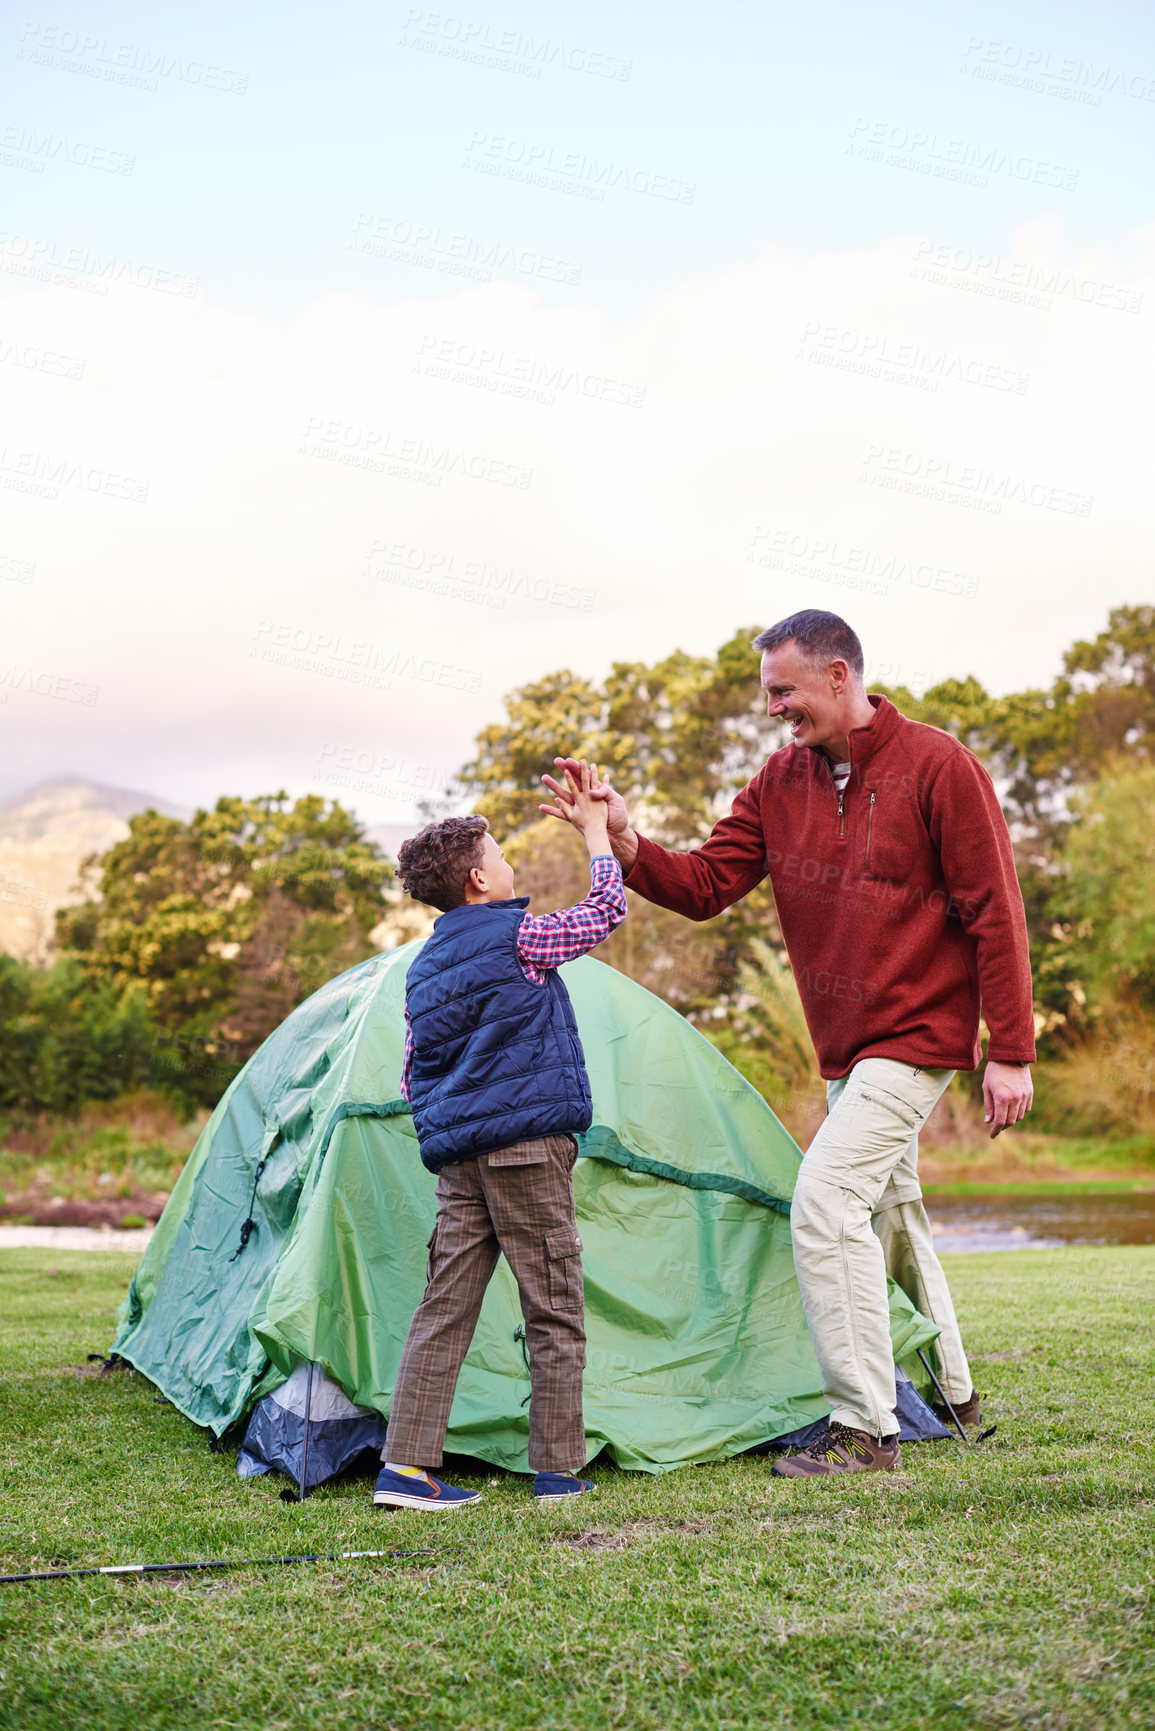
(819, 638)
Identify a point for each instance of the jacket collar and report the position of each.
(456, 916)
(865, 741)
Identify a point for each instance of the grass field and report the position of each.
(1010, 1585)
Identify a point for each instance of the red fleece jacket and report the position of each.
(898, 901)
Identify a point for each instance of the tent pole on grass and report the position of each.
(220, 1563)
(305, 1438)
(938, 1389)
(983, 1435)
(697, 1346)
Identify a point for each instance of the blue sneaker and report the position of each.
(400, 1491)
(551, 1487)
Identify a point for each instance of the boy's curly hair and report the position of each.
(434, 866)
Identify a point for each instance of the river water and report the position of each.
(1010, 1222)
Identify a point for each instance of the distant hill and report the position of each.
(45, 833)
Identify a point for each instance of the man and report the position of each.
(895, 885)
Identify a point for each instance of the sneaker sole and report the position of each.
(559, 1496)
(431, 1505)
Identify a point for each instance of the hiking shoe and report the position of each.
(401, 1491)
(841, 1450)
(551, 1487)
(969, 1411)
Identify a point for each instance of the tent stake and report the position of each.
(944, 1400)
(224, 1563)
(305, 1442)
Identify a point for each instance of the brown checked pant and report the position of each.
(517, 1201)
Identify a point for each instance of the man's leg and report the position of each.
(529, 1189)
(839, 1260)
(463, 1253)
(912, 1263)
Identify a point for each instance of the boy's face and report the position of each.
(492, 880)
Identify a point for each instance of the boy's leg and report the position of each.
(463, 1253)
(838, 1259)
(529, 1189)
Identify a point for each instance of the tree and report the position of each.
(1103, 906)
(67, 1039)
(226, 922)
(680, 738)
(1042, 746)
(504, 778)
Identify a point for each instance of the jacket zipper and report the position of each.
(842, 812)
(869, 830)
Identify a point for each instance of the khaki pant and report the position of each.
(857, 1215)
(517, 1201)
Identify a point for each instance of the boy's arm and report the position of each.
(548, 940)
(407, 1063)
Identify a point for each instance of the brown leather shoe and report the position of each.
(969, 1411)
(841, 1450)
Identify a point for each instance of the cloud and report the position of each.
(275, 549)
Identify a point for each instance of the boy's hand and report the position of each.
(617, 815)
(622, 838)
(581, 804)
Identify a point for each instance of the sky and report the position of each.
(359, 365)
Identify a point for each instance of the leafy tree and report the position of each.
(504, 778)
(226, 922)
(1041, 746)
(66, 1040)
(1103, 907)
(679, 737)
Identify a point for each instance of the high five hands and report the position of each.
(622, 838)
(617, 815)
(582, 801)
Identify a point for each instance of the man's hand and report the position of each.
(1008, 1094)
(622, 838)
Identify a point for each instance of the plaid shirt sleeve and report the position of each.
(407, 1064)
(547, 940)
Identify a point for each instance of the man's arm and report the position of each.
(698, 883)
(970, 831)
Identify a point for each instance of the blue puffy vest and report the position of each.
(496, 1059)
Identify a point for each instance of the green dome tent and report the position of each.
(297, 1233)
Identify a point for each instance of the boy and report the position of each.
(497, 1081)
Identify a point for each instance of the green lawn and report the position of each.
(1007, 1586)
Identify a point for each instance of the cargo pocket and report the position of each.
(563, 1255)
(886, 1105)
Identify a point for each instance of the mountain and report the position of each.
(45, 833)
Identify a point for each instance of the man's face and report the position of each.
(810, 698)
(495, 872)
